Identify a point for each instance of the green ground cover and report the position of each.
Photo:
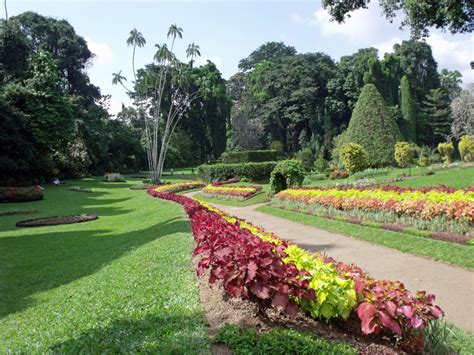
(123, 283)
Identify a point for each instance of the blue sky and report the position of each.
(228, 31)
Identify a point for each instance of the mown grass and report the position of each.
(454, 177)
(123, 283)
(278, 341)
(460, 255)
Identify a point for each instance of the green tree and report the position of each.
(451, 82)
(408, 111)
(437, 120)
(404, 154)
(269, 51)
(193, 51)
(373, 128)
(135, 40)
(420, 15)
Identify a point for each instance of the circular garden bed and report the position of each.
(53, 221)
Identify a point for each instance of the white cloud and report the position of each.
(387, 46)
(102, 51)
(364, 25)
(217, 60)
(453, 54)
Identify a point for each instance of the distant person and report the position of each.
(172, 171)
(56, 181)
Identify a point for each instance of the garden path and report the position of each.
(452, 285)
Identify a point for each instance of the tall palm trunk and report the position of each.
(6, 10)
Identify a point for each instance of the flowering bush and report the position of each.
(177, 187)
(257, 265)
(114, 177)
(21, 194)
(237, 192)
(424, 203)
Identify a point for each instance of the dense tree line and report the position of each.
(54, 121)
(300, 103)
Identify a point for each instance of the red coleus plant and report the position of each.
(224, 182)
(247, 266)
(389, 306)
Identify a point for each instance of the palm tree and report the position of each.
(193, 51)
(136, 39)
(163, 54)
(118, 78)
(174, 31)
(6, 10)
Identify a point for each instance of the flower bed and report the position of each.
(434, 208)
(21, 194)
(239, 193)
(225, 182)
(54, 221)
(257, 265)
(177, 187)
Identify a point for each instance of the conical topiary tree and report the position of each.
(372, 127)
(408, 110)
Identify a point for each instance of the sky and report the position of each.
(228, 31)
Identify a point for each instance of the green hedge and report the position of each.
(249, 156)
(20, 194)
(252, 171)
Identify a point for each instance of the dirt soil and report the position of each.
(221, 309)
(53, 221)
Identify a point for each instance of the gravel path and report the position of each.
(453, 286)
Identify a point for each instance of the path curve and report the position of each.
(453, 286)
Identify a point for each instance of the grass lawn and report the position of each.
(123, 283)
(261, 197)
(461, 255)
(455, 177)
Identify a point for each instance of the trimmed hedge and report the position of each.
(20, 194)
(256, 156)
(252, 171)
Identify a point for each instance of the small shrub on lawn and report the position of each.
(287, 173)
(404, 154)
(114, 177)
(354, 157)
(79, 189)
(338, 174)
(446, 150)
(466, 148)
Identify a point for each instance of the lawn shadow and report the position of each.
(39, 262)
(164, 333)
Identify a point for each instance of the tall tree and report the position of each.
(136, 39)
(373, 128)
(451, 82)
(437, 120)
(193, 51)
(462, 113)
(269, 51)
(408, 109)
(420, 15)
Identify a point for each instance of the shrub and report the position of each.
(114, 177)
(248, 156)
(287, 173)
(306, 157)
(321, 164)
(21, 194)
(466, 148)
(338, 174)
(253, 171)
(354, 157)
(277, 145)
(372, 127)
(446, 150)
(403, 154)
